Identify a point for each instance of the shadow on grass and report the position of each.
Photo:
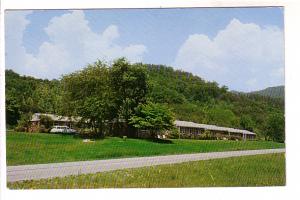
(97, 137)
(162, 141)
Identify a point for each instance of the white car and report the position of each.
(62, 129)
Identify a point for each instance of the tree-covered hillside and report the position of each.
(193, 99)
(26, 94)
(188, 96)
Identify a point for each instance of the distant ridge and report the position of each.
(274, 92)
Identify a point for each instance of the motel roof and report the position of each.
(211, 127)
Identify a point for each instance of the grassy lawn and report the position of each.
(32, 148)
(258, 170)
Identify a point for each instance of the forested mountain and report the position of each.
(194, 99)
(188, 96)
(275, 92)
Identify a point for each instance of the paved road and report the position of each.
(39, 171)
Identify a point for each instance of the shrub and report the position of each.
(234, 137)
(43, 129)
(24, 122)
(207, 137)
(185, 136)
(20, 128)
(174, 133)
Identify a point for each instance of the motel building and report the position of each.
(58, 120)
(186, 127)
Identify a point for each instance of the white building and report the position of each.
(186, 127)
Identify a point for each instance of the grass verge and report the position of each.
(257, 170)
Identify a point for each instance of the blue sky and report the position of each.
(242, 48)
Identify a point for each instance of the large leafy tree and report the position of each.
(130, 86)
(87, 94)
(275, 127)
(154, 117)
(48, 97)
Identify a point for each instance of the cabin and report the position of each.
(191, 128)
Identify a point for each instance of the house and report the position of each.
(57, 121)
(186, 127)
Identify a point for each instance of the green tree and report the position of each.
(87, 94)
(154, 117)
(275, 125)
(47, 97)
(130, 86)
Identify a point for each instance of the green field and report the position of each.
(258, 170)
(33, 148)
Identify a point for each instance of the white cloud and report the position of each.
(72, 44)
(236, 56)
(15, 52)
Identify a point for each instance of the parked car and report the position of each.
(62, 129)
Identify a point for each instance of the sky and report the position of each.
(242, 48)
